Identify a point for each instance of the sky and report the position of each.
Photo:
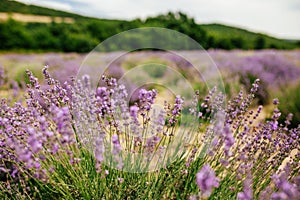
(279, 18)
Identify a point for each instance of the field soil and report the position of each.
(34, 18)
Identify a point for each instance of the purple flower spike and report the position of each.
(206, 180)
(176, 110)
(134, 111)
(146, 99)
(247, 193)
(275, 101)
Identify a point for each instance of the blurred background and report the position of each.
(246, 40)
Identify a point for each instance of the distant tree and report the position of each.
(180, 22)
(211, 42)
(45, 40)
(259, 42)
(273, 46)
(78, 43)
(13, 35)
(224, 43)
(238, 42)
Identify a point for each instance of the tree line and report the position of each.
(85, 34)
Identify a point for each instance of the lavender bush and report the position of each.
(276, 70)
(66, 141)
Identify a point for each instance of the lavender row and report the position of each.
(73, 142)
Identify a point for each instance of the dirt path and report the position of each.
(34, 18)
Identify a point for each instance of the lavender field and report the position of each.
(63, 137)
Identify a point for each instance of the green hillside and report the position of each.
(14, 6)
(85, 32)
(237, 34)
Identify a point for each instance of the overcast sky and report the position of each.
(279, 18)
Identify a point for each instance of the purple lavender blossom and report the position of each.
(31, 131)
(275, 101)
(246, 194)
(206, 180)
(146, 99)
(176, 111)
(116, 151)
(287, 190)
(2, 76)
(229, 140)
(103, 101)
(134, 111)
(99, 150)
(63, 126)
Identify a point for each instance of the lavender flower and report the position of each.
(287, 190)
(146, 99)
(134, 112)
(275, 101)
(117, 150)
(99, 153)
(206, 180)
(60, 121)
(2, 76)
(246, 194)
(229, 139)
(176, 111)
